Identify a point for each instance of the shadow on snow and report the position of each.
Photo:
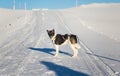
(48, 50)
(61, 70)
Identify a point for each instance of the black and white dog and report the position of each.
(59, 39)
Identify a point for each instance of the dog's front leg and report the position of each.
(57, 50)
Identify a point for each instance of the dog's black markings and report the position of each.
(51, 33)
(59, 39)
(73, 39)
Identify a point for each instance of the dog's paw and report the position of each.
(55, 55)
(74, 56)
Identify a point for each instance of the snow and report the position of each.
(26, 50)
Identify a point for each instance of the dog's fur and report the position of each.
(59, 39)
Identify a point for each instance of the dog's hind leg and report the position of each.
(75, 50)
(57, 50)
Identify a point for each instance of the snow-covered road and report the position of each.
(29, 51)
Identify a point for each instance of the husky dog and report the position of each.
(59, 39)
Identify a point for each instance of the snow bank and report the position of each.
(96, 5)
(102, 18)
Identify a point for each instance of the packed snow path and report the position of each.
(30, 52)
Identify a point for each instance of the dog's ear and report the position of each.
(47, 30)
(53, 30)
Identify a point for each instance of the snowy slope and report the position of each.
(99, 30)
(101, 18)
(28, 51)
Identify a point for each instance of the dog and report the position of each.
(59, 40)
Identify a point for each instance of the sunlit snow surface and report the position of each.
(26, 50)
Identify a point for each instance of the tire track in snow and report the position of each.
(14, 43)
(95, 65)
(5, 50)
(91, 66)
(27, 59)
(96, 59)
(13, 47)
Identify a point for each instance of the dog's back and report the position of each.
(65, 36)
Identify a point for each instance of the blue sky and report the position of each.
(50, 4)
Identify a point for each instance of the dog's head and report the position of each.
(51, 33)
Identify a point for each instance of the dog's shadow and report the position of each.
(49, 50)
